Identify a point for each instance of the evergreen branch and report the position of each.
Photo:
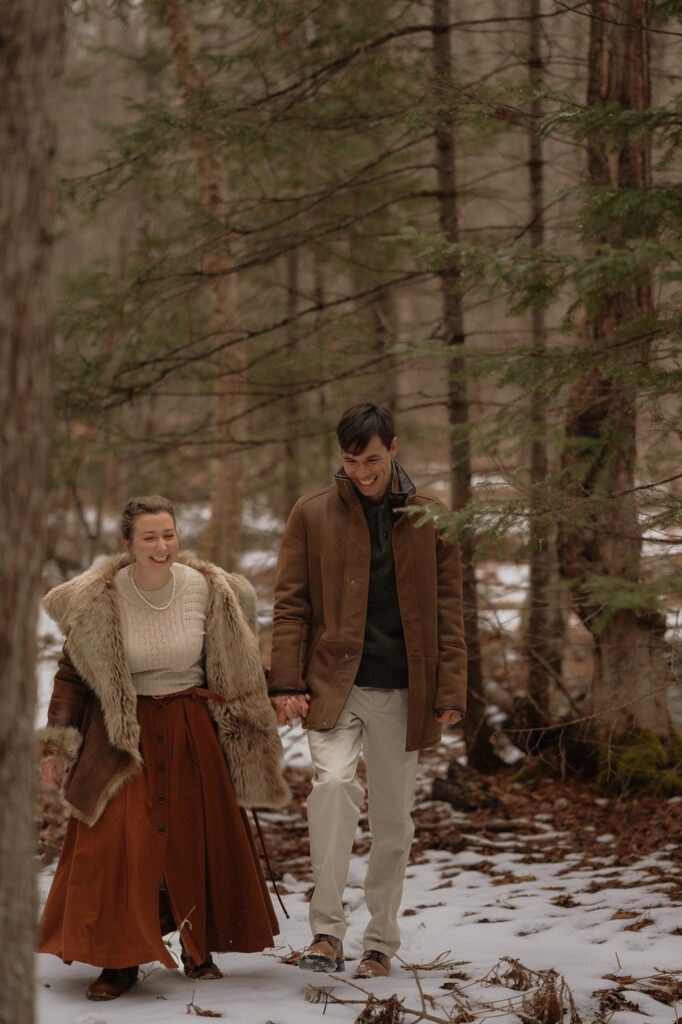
(309, 83)
(101, 173)
(584, 9)
(646, 487)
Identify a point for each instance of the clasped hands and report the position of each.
(290, 706)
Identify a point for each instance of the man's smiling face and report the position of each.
(370, 469)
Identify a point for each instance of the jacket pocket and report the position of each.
(323, 659)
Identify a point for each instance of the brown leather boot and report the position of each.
(325, 953)
(112, 983)
(373, 964)
(207, 971)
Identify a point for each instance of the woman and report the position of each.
(159, 728)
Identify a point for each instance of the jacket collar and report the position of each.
(402, 488)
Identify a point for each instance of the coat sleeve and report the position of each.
(451, 689)
(292, 613)
(62, 736)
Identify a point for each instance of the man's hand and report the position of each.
(52, 772)
(449, 717)
(290, 706)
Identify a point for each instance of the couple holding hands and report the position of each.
(161, 729)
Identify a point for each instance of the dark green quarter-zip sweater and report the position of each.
(384, 656)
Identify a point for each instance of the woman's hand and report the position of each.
(52, 772)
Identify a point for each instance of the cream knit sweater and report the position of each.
(164, 648)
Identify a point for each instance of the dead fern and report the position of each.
(664, 988)
(382, 1011)
(516, 976)
(612, 1001)
(547, 999)
(544, 1005)
(440, 963)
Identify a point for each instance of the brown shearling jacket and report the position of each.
(321, 602)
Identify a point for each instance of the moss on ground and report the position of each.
(644, 762)
(639, 762)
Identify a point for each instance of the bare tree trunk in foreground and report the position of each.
(30, 59)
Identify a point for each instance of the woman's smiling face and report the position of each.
(154, 542)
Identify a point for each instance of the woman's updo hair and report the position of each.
(149, 505)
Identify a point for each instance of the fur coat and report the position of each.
(92, 719)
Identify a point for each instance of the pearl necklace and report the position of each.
(156, 607)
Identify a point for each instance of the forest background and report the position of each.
(270, 210)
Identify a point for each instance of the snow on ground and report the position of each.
(558, 916)
(470, 912)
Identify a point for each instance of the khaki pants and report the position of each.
(373, 722)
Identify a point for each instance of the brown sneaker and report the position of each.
(112, 983)
(324, 954)
(373, 964)
(208, 971)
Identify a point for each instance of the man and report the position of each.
(368, 649)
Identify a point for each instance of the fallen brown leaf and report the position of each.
(193, 1008)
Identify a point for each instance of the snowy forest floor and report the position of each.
(549, 904)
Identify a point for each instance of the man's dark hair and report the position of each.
(360, 423)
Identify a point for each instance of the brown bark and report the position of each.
(477, 732)
(30, 59)
(377, 318)
(329, 448)
(385, 316)
(541, 643)
(222, 543)
(630, 672)
(292, 470)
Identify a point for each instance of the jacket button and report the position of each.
(159, 738)
(162, 831)
(162, 799)
(161, 767)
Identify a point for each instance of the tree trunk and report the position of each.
(222, 543)
(292, 455)
(541, 644)
(30, 60)
(329, 448)
(376, 318)
(630, 673)
(476, 729)
(385, 316)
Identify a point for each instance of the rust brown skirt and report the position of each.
(179, 821)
